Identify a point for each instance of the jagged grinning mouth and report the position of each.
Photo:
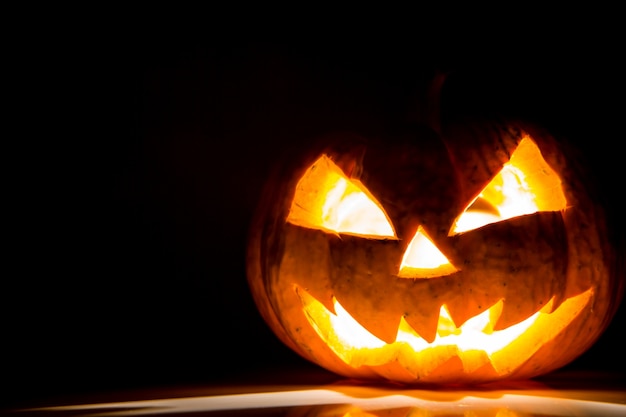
(474, 342)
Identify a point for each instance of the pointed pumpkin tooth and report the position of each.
(394, 371)
(436, 364)
(314, 281)
(424, 325)
(460, 313)
(324, 295)
(556, 302)
(484, 373)
(441, 374)
(383, 325)
(473, 359)
(513, 313)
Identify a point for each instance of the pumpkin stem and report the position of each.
(427, 109)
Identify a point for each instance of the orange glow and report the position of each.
(422, 259)
(326, 199)
(340, 398)
(475, 342)
(525, 185)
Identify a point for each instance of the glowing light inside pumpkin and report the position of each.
(474, 342)
(326, 199)
(422, 259)
(525, 185)
(476, 333)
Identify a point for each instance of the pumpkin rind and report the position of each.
(425, 179)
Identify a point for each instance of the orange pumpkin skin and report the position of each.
(555, 265)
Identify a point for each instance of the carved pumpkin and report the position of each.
(473, 255)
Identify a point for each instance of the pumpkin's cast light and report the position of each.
(470, 255)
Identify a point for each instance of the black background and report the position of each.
(142, 148)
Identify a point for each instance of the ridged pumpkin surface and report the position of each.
(339, 299)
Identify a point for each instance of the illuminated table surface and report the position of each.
(309, 393)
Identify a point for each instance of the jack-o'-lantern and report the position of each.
(471, 254)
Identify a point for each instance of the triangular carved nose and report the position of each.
(422, 259)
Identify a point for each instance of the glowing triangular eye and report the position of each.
(327, 199)
(525, 185)
(422, 259)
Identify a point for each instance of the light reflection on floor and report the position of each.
(349, 400)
